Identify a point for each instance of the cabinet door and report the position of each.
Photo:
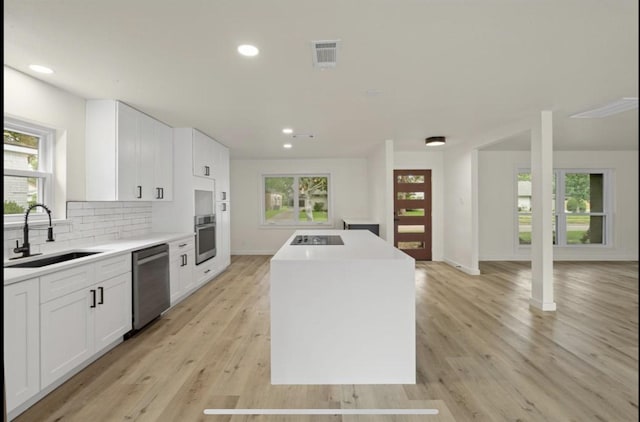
(222, 172)
(66, 334)
(21, 342)
(186, 271)
(223, 234)
(175, 281)
(113, 312)
(128, 133)
(163, 163)
(145, 157)
(203, 155)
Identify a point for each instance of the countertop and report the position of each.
(358, 245)
(111, 248)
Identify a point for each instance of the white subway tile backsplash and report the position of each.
(91, 223)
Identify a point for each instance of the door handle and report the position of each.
(139, 191)
(93, 298)
(101, 295)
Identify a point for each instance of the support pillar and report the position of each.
(542, 218)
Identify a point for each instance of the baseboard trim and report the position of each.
(542, 306)
(467, 270)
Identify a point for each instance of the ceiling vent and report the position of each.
(325, 53)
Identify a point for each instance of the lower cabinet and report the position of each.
(75, 326)
(182, 263)
(21, 342)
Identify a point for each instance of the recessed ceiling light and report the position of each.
(40, 69)
(287, 130)
(248, 50)
(287, 146)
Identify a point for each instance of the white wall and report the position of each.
(32, 100)
(434, 161)
(380, 170)
(459, 222)
(349, 197)
(497, 172)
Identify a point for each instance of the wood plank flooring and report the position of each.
(483, 354)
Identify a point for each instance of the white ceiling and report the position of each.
(441, 67)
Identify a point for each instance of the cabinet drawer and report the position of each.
(205, 272)
(182, 245)
(64, 282)
(111, 267)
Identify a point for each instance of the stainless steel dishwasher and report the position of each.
(151, 295)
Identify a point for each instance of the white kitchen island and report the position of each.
(342, 314)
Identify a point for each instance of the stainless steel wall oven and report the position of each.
(205, 228)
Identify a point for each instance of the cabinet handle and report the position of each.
(224, 207)
(161, 193)
(139, 192)
(207, 271)
(182, 245)
(184, 260)
(206, 170)
(101, 295)
(158, 195)
(93, 298)
(224, 196)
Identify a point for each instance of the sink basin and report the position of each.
(50, 260)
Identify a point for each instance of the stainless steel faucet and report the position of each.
(25, 249)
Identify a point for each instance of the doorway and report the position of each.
(412, 212)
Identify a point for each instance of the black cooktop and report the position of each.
(317, 240)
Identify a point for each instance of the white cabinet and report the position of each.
(223, 234)
(182, 262)
(21, 342)
(66, 334)
(128, 154)
(221, 171)
(204, 272)
(83, 310)
(204, 155)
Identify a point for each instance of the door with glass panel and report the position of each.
(412, 212)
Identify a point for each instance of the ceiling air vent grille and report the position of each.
(325, 53)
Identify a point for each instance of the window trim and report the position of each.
(45, 170)
(560, 214)
(296, 207)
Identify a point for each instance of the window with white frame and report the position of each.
(581, 207)
(296, 199)
(28, 168)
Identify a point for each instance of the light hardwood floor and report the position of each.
(482, 353)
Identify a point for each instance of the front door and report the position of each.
(412, 212)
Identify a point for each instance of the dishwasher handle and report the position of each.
(152, 258)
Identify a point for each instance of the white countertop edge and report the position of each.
(108, 249)
(359, 245)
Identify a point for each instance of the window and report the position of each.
(28, 168)
(296, 200)
(580, 207)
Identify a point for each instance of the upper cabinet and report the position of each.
(203, 155)
(129, 154)
(221, 172)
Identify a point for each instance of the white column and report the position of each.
(542, 218)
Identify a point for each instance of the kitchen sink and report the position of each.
(50, 260)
